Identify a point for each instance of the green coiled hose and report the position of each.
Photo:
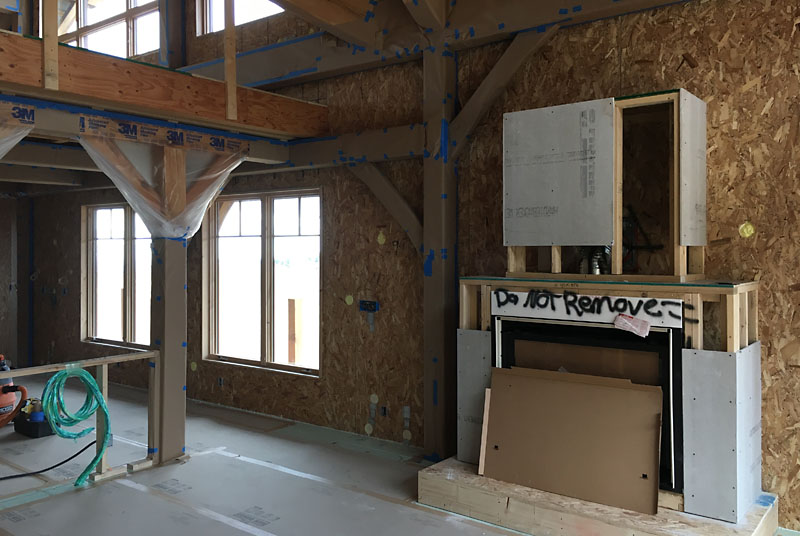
(60, 417)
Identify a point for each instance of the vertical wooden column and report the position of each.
(439, 237)
(168, 320)
(730, 322)
(50, 36)
(679, 262)
(517, 259)
(752, 317)
(168, 335)
(468, 307)
(230, 62)
(693, 321)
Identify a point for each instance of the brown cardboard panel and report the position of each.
(581, 436)
(635, 365)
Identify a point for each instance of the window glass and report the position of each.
(244, 11)
(142, 271)
(99, 10)
(110, 40)
(109, 273)
(285, 216)
(147, 31)
(239, 279)
(67, 20)
(309, 215)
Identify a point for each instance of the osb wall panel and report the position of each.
(366, 255)
(743, 59)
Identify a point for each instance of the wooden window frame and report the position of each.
(211, 295)
(128, 16)
(88, 279)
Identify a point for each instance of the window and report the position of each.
(118, 260)
(266, 312)
(117, 27)
(211, 13)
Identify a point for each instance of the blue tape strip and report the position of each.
(288, 76)
(445, 140)
(427, 267)
(152, 451)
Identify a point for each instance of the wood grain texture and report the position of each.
(92, 79)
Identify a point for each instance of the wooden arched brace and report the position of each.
(111, 152)
(211, 174)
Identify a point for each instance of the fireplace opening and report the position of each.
(603, 350)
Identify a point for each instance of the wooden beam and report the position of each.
(440, 211)
(99, 81)
(392, 200)
(101, 377)
(83, 363)
(616, 246)
(50, 43)
(517, 259)
(523, 46)
(230, 62)
(43, 175)
(429, 14)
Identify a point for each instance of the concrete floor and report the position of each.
(248, 474)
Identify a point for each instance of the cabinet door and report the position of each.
(558, 175)
(692, 170)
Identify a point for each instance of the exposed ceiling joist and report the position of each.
(429, 14)
(351, 20)
(50, 155)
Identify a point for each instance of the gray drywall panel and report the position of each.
(474, 377)
(748, 427)
(692, 170)
(722, 432)
(558, 175)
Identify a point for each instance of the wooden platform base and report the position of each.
(456, 487)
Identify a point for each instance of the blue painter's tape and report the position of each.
(445, 139)
(444, 196)
(158, 298)
(152, 451)
(427, 154)
(501, 25)
(183, 449)
(184, 387)
(428, 30)
(471, 31)
(444, 254)
(434, 457)
(765, 500)
(385, 156)
(563, 11)
(447, 53)
(427, 267)
(577, 8)
(158, 342)
(435, 392)
(151, 364)
(457, 34)
(183, 344)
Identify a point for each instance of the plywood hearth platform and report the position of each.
(456, 487)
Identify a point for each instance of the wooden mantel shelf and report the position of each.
(90, 79)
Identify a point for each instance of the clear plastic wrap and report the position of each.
(137, 169)
(10, 135)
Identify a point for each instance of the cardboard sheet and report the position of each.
(581, 436)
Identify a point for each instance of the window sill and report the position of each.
(117, 344)
(268, 367)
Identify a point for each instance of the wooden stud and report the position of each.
(484, 431)
(231, 92)
(468, 307)
(50, 44)
(486, 307)
(679, 260)
(174, 192)
(616, 246)
(752, 316)
(730, 323)
(693, 321)
(101, 377)
(555, 259)
(697, 259)
(517, 258)
(85, 364)
(744, 331)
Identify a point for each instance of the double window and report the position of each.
(266, 313)
(118, 258)
(117, 27)
(211, 13)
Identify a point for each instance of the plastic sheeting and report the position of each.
(137, 169)
(10, 135)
